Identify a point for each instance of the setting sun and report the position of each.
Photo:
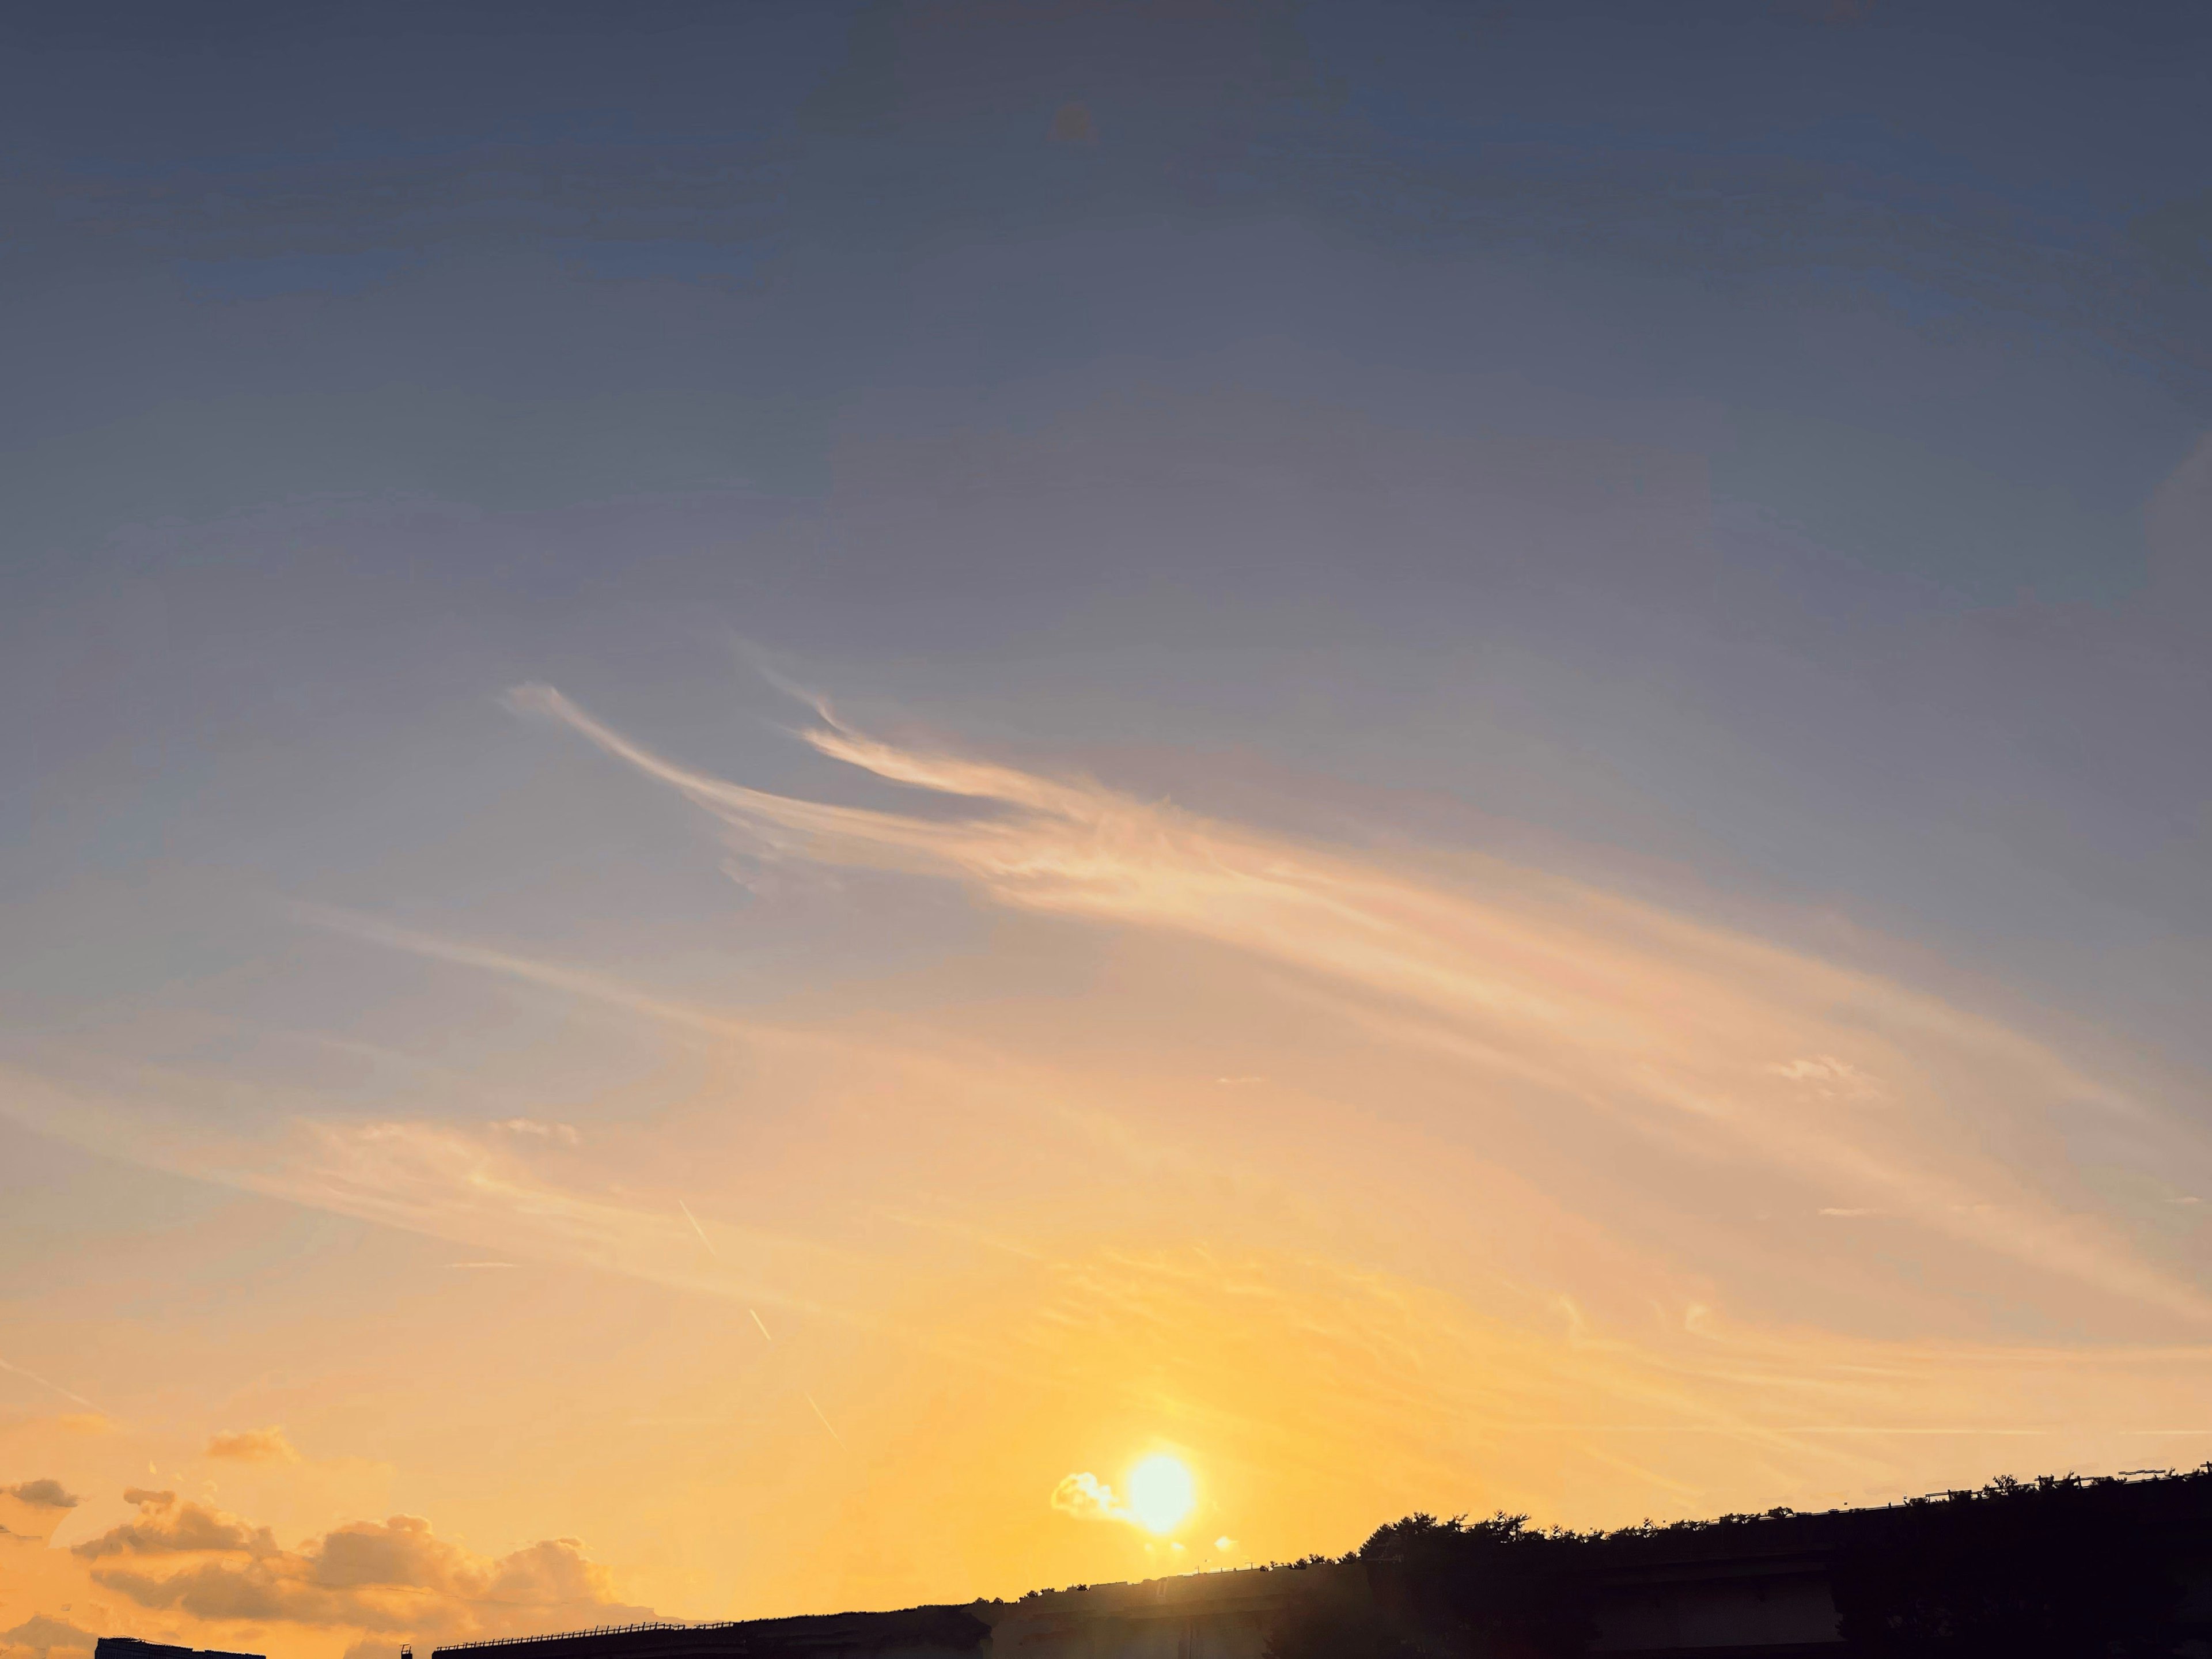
(1161, 1493)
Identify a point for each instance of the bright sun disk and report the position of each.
(1161, 1493)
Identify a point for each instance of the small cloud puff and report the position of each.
(266, 1445)
(1072, 123)
(1828, 1078)
(1086, 1497)
(42, 1494)
(563, 1134)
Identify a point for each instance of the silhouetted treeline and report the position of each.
(2058, 1566)
(1494, 1586)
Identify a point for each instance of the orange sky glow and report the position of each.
(1353, 1179)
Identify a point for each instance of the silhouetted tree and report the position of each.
(1494, 1589)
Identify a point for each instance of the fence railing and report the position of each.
(596, 1630)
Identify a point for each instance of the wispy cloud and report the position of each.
(1675, 1027)
(556, 976)
(267, 1445)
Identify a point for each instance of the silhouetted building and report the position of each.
(130, 1647)
(2058, 1567)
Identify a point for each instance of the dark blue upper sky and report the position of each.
(1720, 434)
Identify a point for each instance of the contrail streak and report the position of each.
(701, 1231)
(64, 1393)
(762, 1324)
(826, 1423)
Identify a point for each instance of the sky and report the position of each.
(783, 781)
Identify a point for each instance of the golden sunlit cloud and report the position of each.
(1161, 1496)
(1086, 1497)
(376, 1580)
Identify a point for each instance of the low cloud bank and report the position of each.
(42, 1637)
(390, 1578)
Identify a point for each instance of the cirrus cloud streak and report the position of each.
(1651, 1024)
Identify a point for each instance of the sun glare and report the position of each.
(1161, 1493)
